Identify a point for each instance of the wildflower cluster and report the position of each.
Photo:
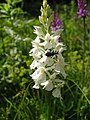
(48, 62)
(82, 11)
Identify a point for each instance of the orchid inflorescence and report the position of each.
(82, 10)
(48, 62)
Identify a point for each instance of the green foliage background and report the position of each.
(18, 101)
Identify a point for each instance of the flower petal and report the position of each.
(48, 85)
(56, 93)
(36, 86)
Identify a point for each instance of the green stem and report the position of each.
(63, 108)
(84, 38)
(3, 46)
(80, 90)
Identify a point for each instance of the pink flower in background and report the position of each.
(82, 11)
(56, 24)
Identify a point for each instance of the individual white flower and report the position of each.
(37, 50)
(49, 61)
(36, 42)
(56, 92)
(34, 64)
(41, 19)
(60, 57)
(60, 47)
(59, 67)
(36, 86)
(54, 40)
(53, 44)
(38, 31)
(59, 83)
(48, 85)
(47, 37)
(46, 43)
(39, 75)
(43, 59)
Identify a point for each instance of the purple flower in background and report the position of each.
(82, 11)
(56, 24)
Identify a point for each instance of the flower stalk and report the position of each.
(83, 12)
(84, 41)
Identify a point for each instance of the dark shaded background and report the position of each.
(32, 7)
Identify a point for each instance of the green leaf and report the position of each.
(15, 2)
(9, 1)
